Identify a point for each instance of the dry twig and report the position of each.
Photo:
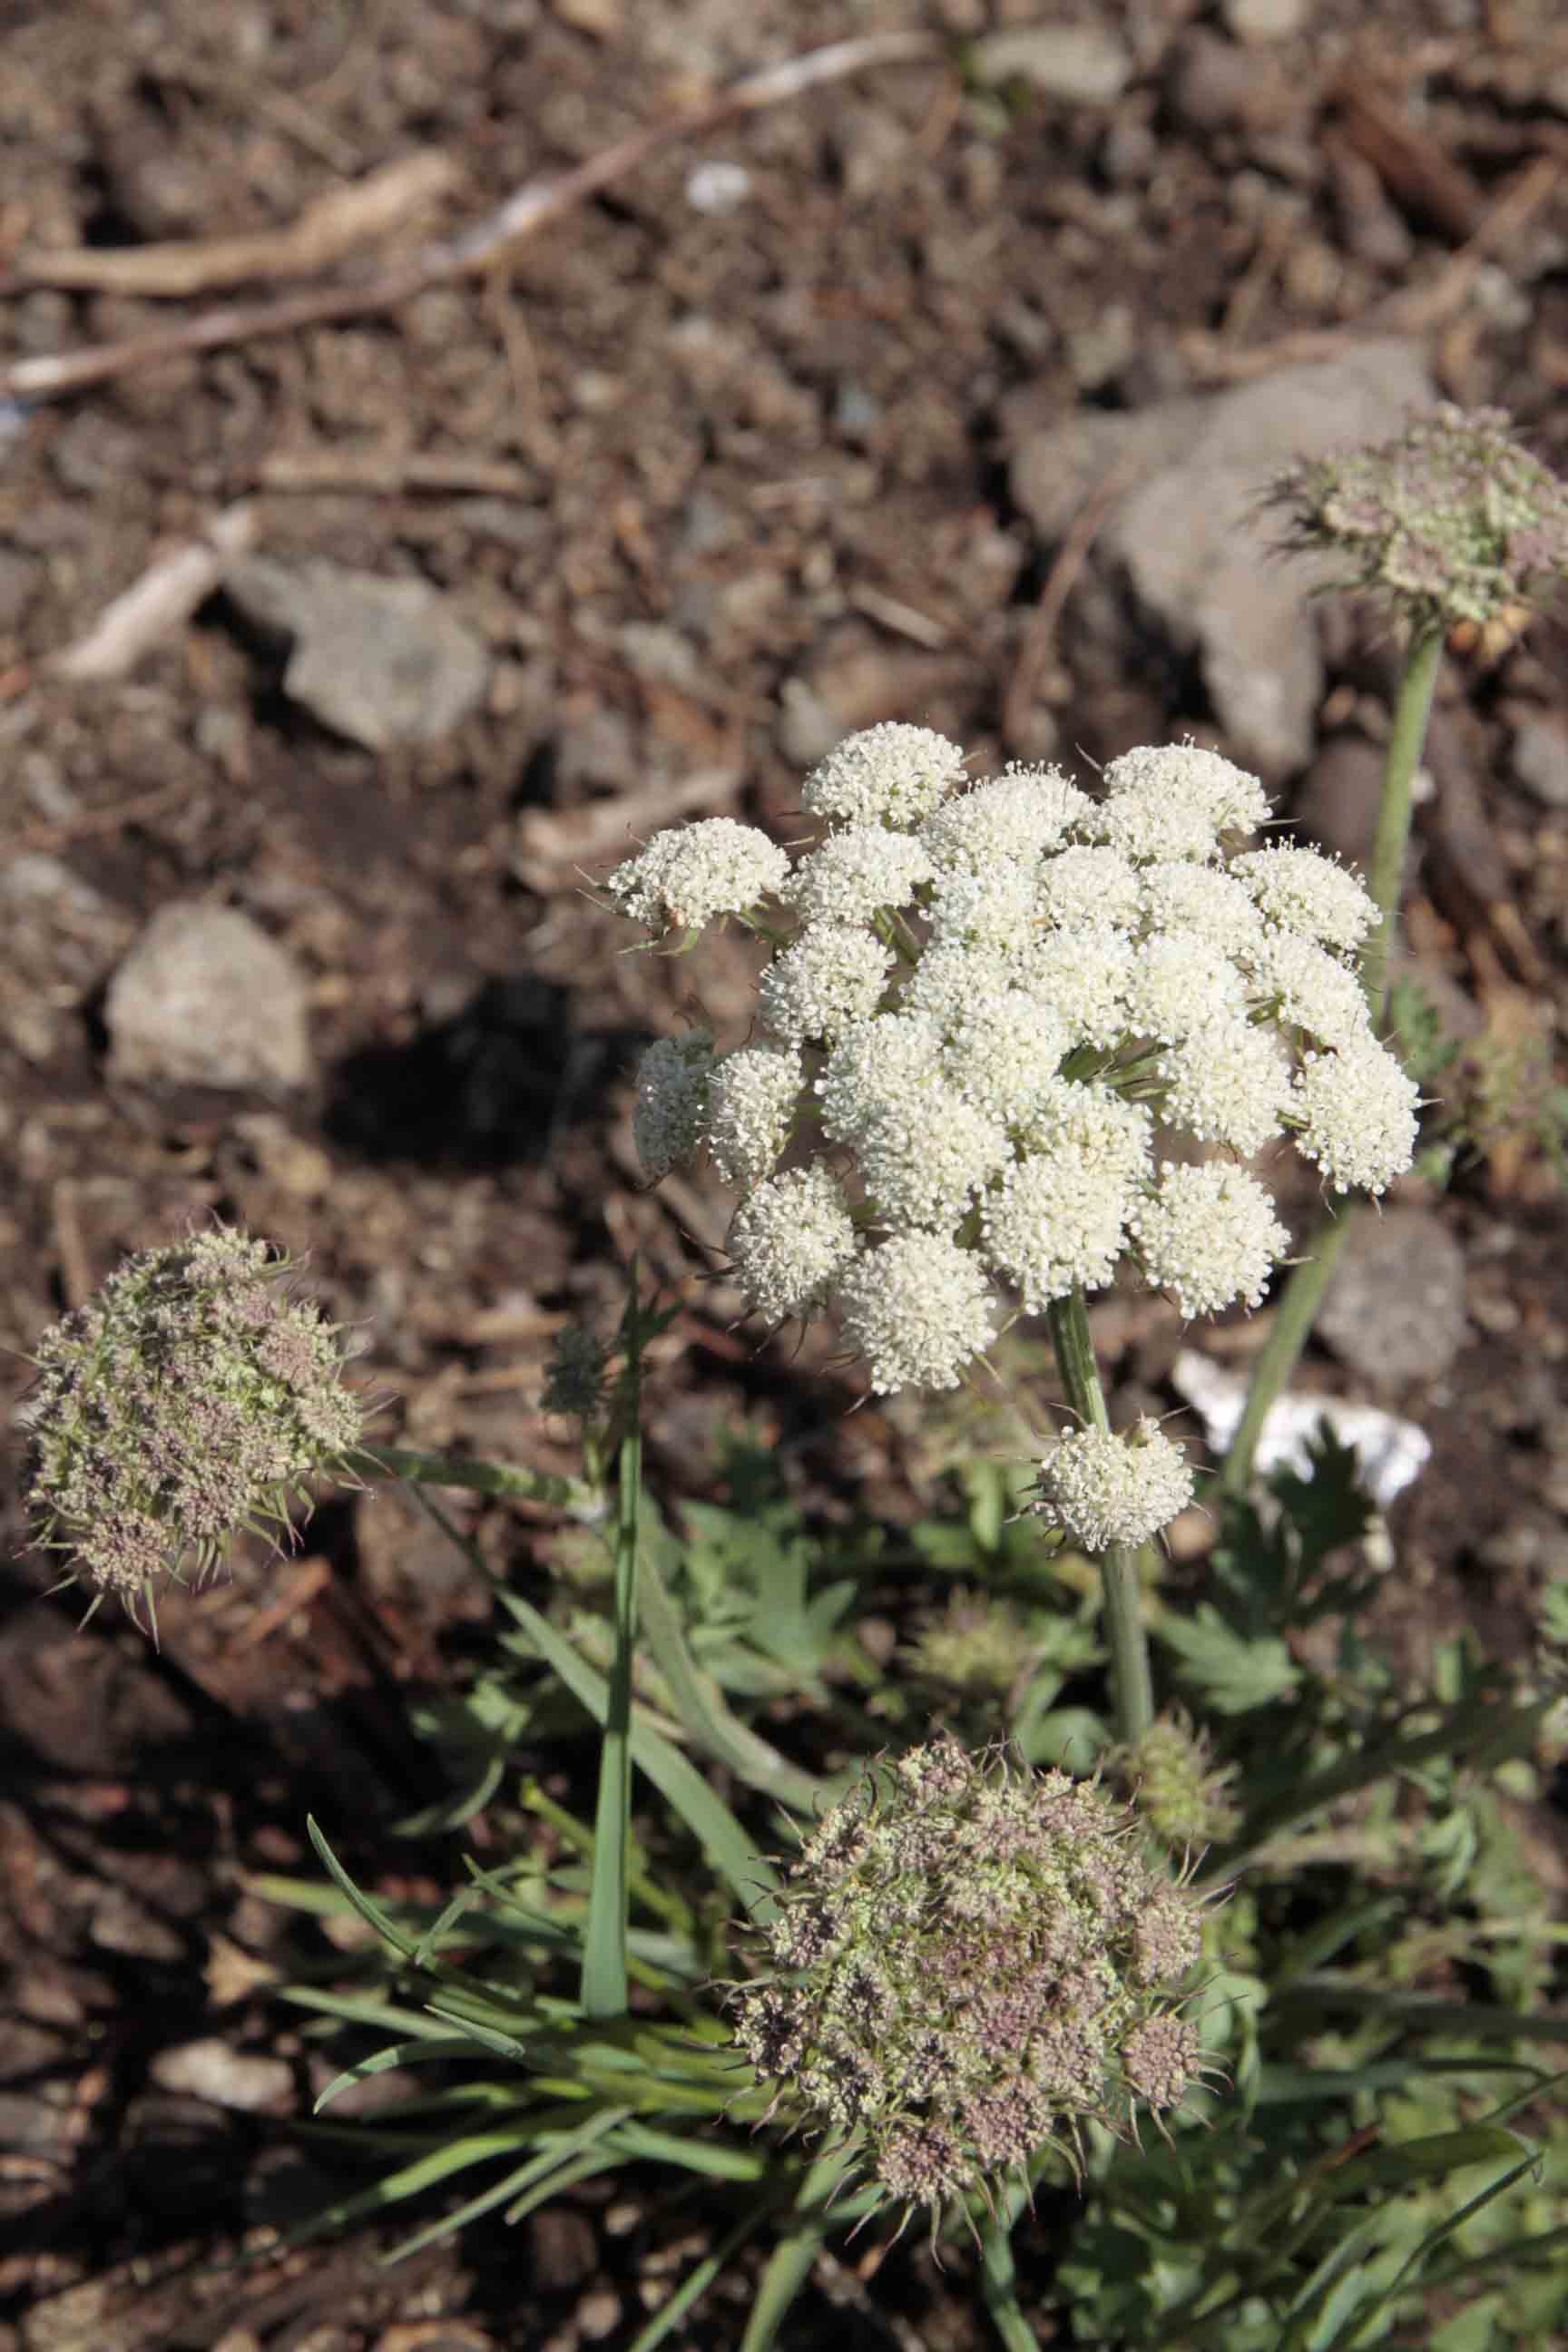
(324, 232)
(166, 595)
(390, 472)
(530, 208)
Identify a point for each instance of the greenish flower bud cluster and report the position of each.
(1176, 1786)
(186, 1402)
(977, 1646)
(1453, 520)
(973, 1961)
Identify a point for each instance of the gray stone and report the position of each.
(1540, 751)
(204, 998)
(1395, 1307)
(381, 661)
(1265, 20)
(1077, 62)
(1189, 538)
(210, 2070)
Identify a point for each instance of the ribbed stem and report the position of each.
(1120, 1582)
(1412, 710)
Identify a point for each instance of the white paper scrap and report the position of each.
(1391, 1451)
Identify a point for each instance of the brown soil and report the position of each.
(737, 455)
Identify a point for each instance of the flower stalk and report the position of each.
(1120, 1582)
(1452, 524)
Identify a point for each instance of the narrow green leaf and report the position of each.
(731, 1853)
(695, 2282)
(1431, 2158)
(604, 1979)
(557, 2167)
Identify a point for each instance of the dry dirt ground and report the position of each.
(714, 469)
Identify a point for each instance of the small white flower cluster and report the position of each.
(1105, 1489)
(1013, 1035)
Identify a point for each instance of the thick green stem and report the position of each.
(1120, 1580)
(1303, 1293)
(1293, 1320)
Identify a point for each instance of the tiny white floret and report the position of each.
(1356, 1111)
(1304, 891)
(831, 978)
(1208, 1235)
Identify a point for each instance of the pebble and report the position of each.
(209, 2069)
(1540, 749)
(1265, 20)
(1395, 1307)
(380, 661)
(206, 998)
(1077, 62)
(1189, 538)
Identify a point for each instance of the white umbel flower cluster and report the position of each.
(1104, 1489)
(1014, 1038)
(692, 876)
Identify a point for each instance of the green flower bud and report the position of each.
(971, 1962)
(1175, 1785)
(186, 1402)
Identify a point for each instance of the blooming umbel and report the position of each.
(1453, 520)
(999, 1018)
(1105, 1489)
(186, 1402)
(972, 1961)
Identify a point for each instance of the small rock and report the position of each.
(1190, 539)
(599, 2314)
(1076, 62)
(718, 187)
(1213, 85)
(563, 2248)
(210, 2070)
(1539, 752)
(381, 661)
(853, 682)
(1395, 1307)
(120, 1924)
(204, 998)
(1265, 20)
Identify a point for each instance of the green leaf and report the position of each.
(1233, 1673)
(732, 1854)
(1433, 2157)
